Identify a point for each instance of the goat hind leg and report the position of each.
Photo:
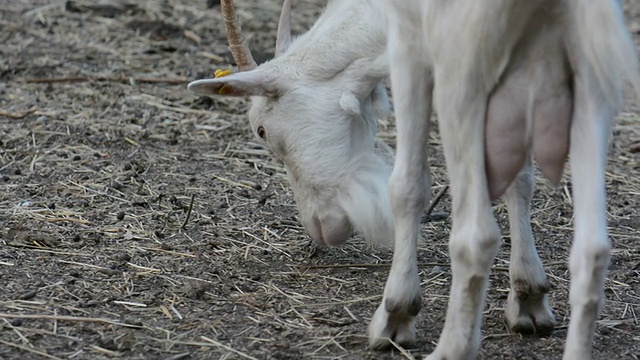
(590, 250)
(528, 309)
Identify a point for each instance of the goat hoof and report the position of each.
(385, 326)
(528, 310)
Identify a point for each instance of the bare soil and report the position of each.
(141, 221)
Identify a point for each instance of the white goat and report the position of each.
(507, 78)
(315, 106)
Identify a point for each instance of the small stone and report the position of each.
(28, 295)
(110, 272)
(123, 257)
(244, 193)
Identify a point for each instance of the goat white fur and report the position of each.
(315, 106)
(507, 78)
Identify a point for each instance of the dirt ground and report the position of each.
(141, 221)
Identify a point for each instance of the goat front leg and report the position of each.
(528, 309)
(590, 251)
(412, 88)
(475, 236)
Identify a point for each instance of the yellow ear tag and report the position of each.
(221, 73)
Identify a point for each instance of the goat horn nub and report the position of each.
(239, 49)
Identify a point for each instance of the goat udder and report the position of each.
(329, 229)
(505, 141)
(551, 126)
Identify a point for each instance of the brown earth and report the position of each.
(140, 221)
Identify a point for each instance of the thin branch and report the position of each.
(122, 79)
(188, 211)
(28, 349)
(17, 116)
(66, 79)
(66, 318)
(339, 266)
(228, 348)
(437, 199)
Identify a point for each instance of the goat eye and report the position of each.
(262, 132)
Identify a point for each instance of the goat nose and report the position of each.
(329, 230)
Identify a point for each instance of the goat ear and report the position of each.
(379, 98)
(283, 39)
(258, 82)
(350, 103)
(364, 75)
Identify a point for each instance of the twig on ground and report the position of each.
(180, 356)
(228, 348)
(425, 264)
(231, 182)
(436, 200)
(338, 266)
(122, 79)
(16, 115)
(186, 220)
(31, 350)
(66, 318)
(106, 351)
(402, 350)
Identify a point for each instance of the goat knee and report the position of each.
(408, 191)
(475, 245)
(589, 258)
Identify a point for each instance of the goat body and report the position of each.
(506, 78)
